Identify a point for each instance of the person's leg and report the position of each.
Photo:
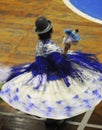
(54, 124)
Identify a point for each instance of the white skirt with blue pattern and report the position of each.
(54, 99)
(54, 86)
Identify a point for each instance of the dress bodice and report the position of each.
(47, 47)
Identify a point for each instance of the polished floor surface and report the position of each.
(88, 9)
(17, 44)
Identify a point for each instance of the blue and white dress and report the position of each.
(54, 86)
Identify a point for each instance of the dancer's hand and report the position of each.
(66, 48)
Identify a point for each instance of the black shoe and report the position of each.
(50, 124)
(54, 124)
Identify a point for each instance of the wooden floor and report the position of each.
(17, 44)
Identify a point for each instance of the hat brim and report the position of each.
(45, 30)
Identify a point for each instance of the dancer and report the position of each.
(59, 84)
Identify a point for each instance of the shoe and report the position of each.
(54, 124)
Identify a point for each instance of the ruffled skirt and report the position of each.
(54, 99)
